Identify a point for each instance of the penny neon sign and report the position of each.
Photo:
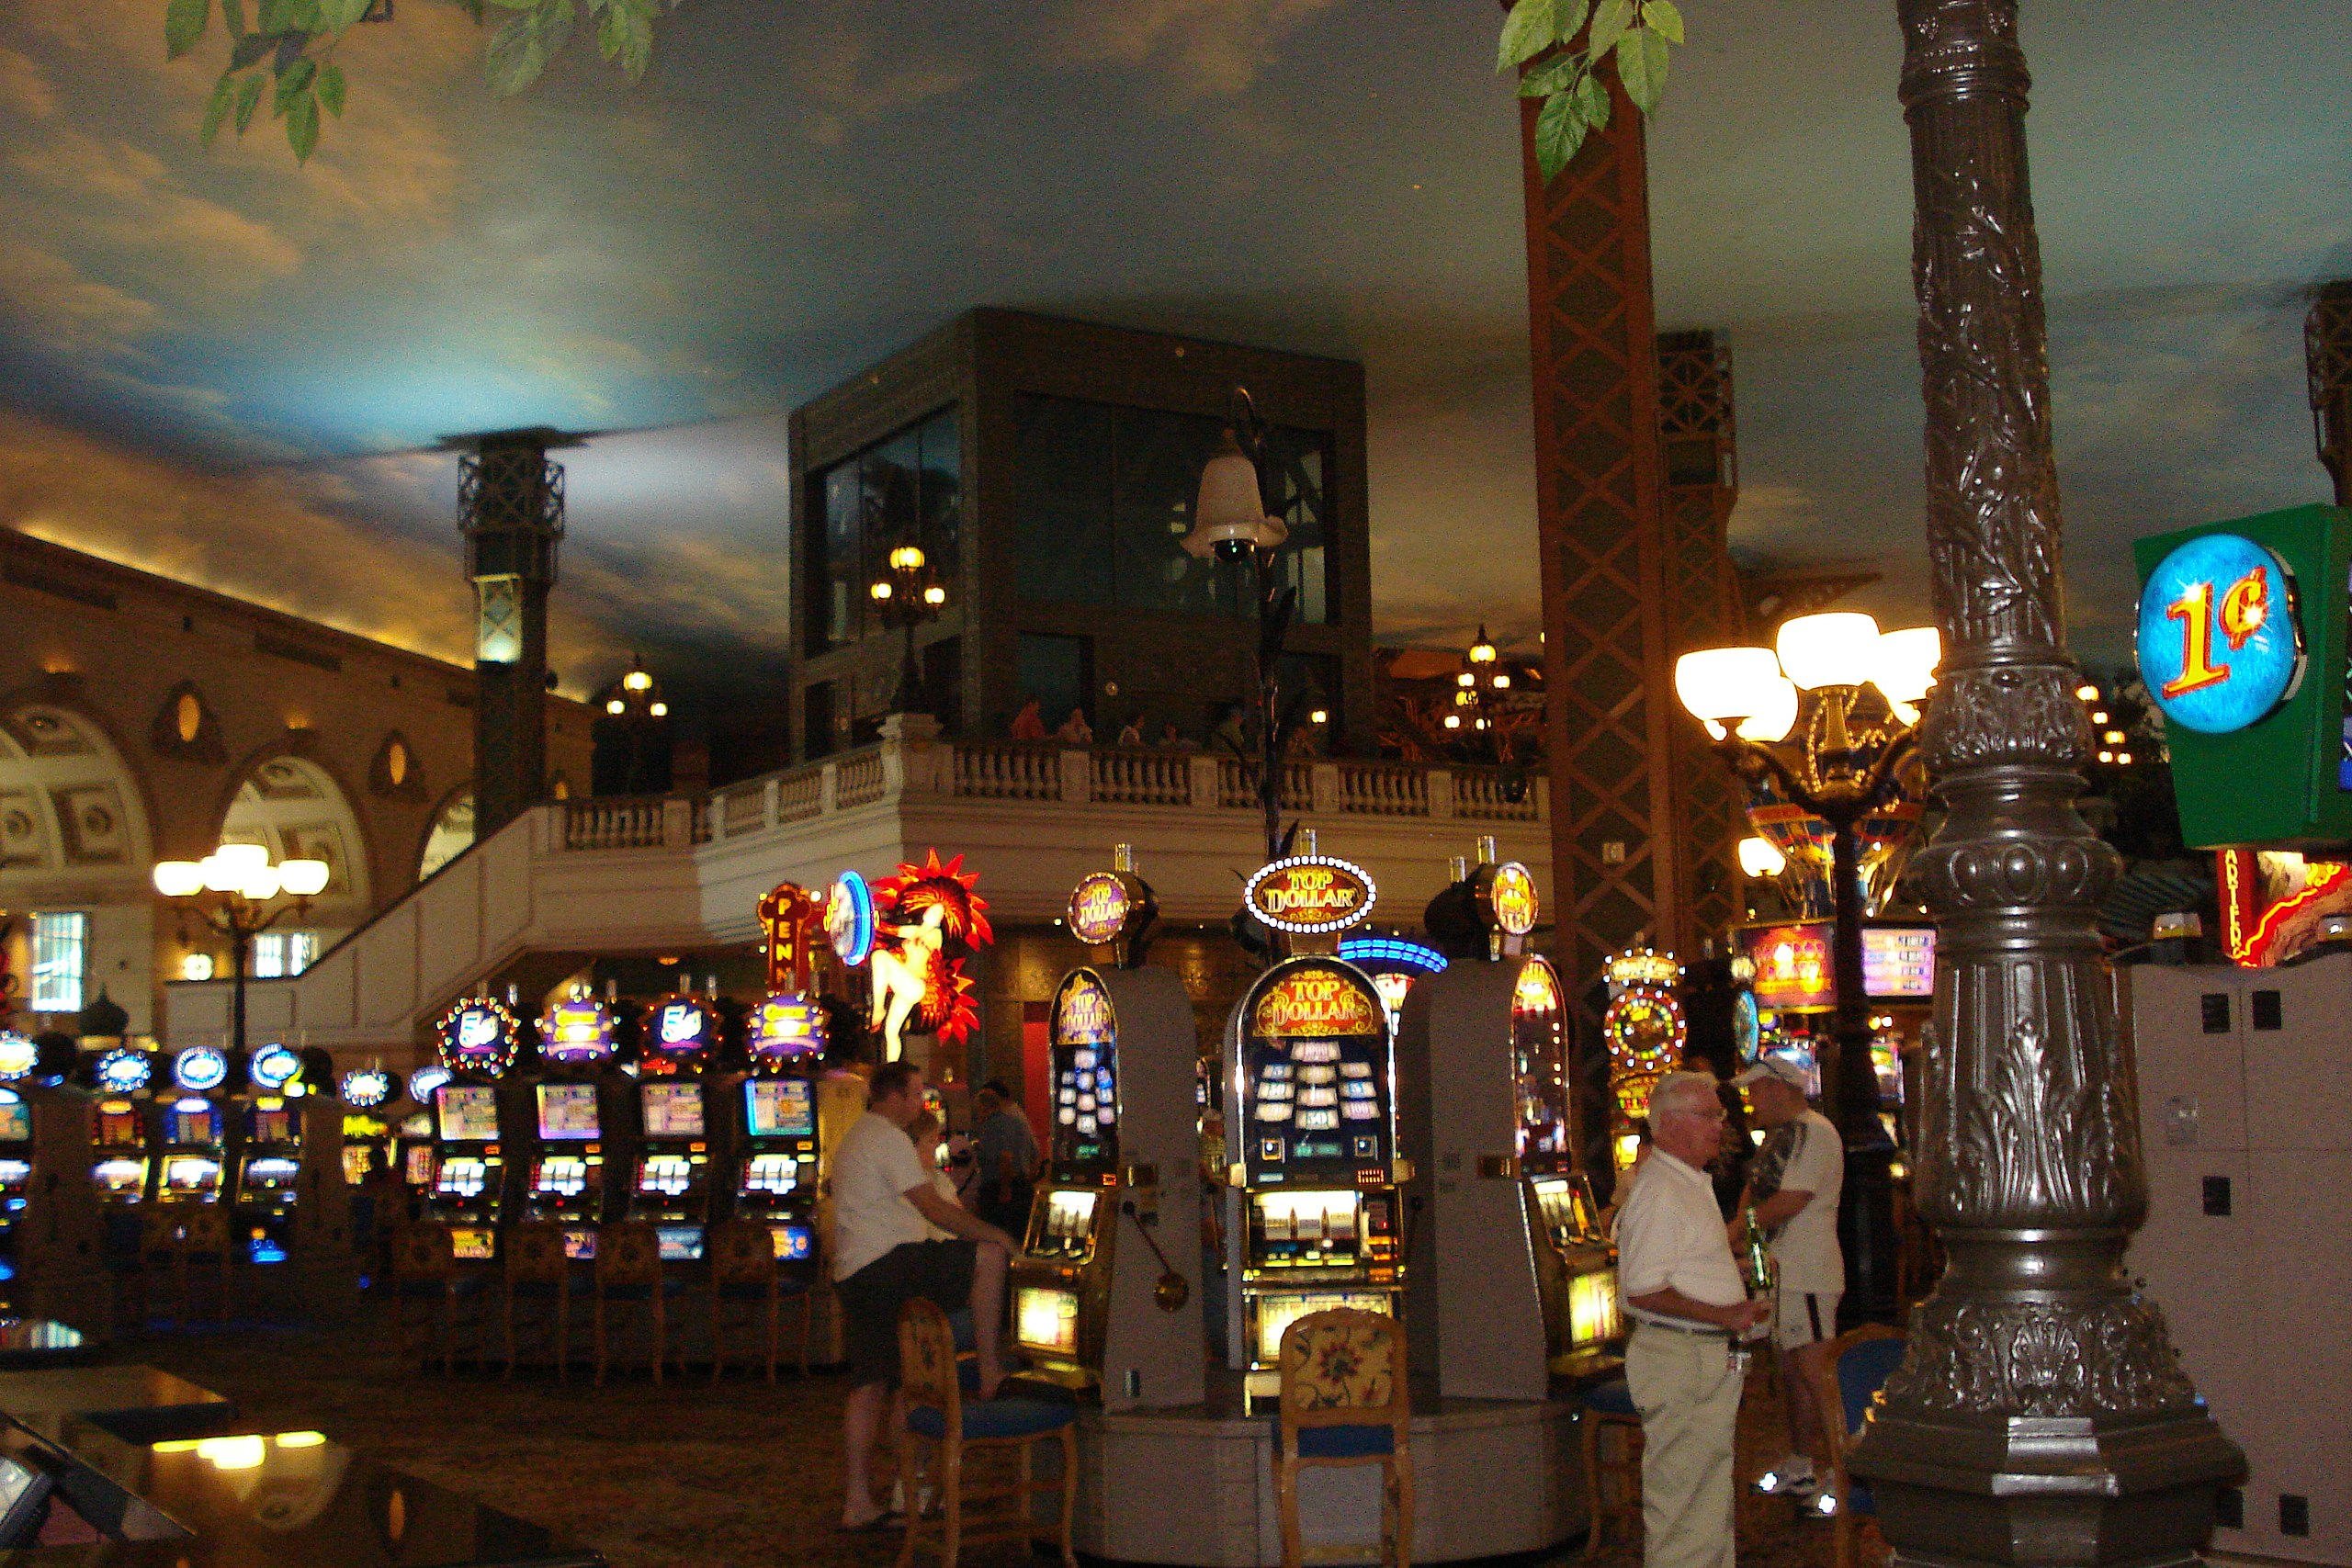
(2219, 645)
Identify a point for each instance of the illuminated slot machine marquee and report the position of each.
(566, 1185)
(1311, 1114)
(269, 1164)
(1576, 1266)
(191, 1130)
(1795, 997)
(479, 1039)
(366, 1135)
(776, 1181)
(122, 1163)
(1644, 1034)
(1061, 1279)
(1394, 965)
(671, 1186)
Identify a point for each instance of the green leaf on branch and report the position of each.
(248, 99)
(624, 34)
(1560, 130)
(1568, 17)
(1527, 32)
(334, 15)
(1553, 77)
(232, 13)
(250, 49)
(1641, 65)
(331, 90)
(216, 108)
(1592, 102)
(521, 49)
(184, 23)
(1609, 20)
(1663, 17)
(292, 83)
(302, 125)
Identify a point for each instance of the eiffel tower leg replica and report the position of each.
(2041, 1415)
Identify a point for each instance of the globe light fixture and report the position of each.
(1229, 518)
(234, 893)
(1837, 649)
(910, 597)
(1760, 858)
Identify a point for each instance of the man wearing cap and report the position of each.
(1792, 1192)
(1680, 1286)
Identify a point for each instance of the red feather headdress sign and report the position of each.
(928, 921)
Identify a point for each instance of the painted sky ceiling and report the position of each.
(218, 365)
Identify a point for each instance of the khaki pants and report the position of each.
(1688, 1397)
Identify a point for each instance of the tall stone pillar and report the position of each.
(510, 509)
(2041, 1415)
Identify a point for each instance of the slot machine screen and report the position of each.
(15, 1122)
(126, 1178)
(673, 1111)
(270, 1172)
(794, 1243)
(358, 1159)
(191, 1173)
(189, 1122)
(13, 1174)
(1315, 1076)
(679, 1244)
(419, 1168)
(779, 1108)
(568, 1110)
(1085, 1062)
(461, 1177)
(1276, 1314)
(564, 1175)
(273, 1126)
(669, 1175)
(468, 1113)
(472, 1243)
(119, 1126)
(778, 1173)
(1045, 1319)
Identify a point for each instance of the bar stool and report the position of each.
(1344, 1402)
(425, 1276)
(628, 1274)
(743, 1274)
(178, 1240)
(1614, 1485)
(940, 1425)
(538, 1269)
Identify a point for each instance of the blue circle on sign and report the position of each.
(2218, 644)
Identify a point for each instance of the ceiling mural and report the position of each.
(225, 366)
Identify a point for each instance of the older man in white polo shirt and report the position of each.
(1682, 1289)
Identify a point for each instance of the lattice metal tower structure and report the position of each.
(510, 509)
(2327, 361)
(1632, 826)
(1706, 608)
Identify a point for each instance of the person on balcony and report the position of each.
(1029, 724)
(1171, 738)
(1075, 730)
(1131, 732)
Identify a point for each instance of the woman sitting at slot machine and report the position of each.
(925, 1132)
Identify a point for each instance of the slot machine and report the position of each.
(1313, 1215)
(1644, 1030)
(366, 1093)
(192, 1132)
(265, 1177)
(414, 1150)
(19, 1062)
(575, 1114)
(777, 1152)
(122, 1165)
(478, 1040)
(49, 1209)
(1096, 1305)
(1513, 1279)
(673, 1184)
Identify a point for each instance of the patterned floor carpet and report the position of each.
(688, 1475)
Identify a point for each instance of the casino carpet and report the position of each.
(687, 1475)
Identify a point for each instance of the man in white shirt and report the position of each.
(885, 1203)
(1792, 1192)
(1682, 1291)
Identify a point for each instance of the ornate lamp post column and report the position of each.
(2041, 1415)
(908, 597)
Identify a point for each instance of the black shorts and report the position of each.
(938, 1271)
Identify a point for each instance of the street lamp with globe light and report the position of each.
(910, 596)
(1232, 522)
(1843, 769)
(234, 891)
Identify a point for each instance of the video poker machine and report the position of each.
(1795, 993)
(466, 1185)
(1313, 1202)
(778, 1148)
(49, 1234)
(122, 1163)
(674, 1184)
(1097, 1306)
(266, 1176)
(1512, 1280)
(577, 1107)
(192, 1129)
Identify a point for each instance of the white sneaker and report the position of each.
(1785, 1480)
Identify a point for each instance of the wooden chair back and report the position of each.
(424, 1249)
(740, 1252)
(927, 1363)
(207, 1230)
(535, 1253)
(162, 1229)
(628, 1252)
(1344, 1368)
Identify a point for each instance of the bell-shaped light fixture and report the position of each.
(614, 706)
(907, 558)
(261, 885)
(304, 878)
(1483, 651)
(935, 595)
(1721, 683)
(1229, 518)
(1906, 668)
(881, 590)
(179, 878)
(1775, 716)
(636, 680)
(1761, 858)
(1837, 649)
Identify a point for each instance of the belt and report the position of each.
(1694, 1331)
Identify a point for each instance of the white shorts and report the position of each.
(1803, 1317)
